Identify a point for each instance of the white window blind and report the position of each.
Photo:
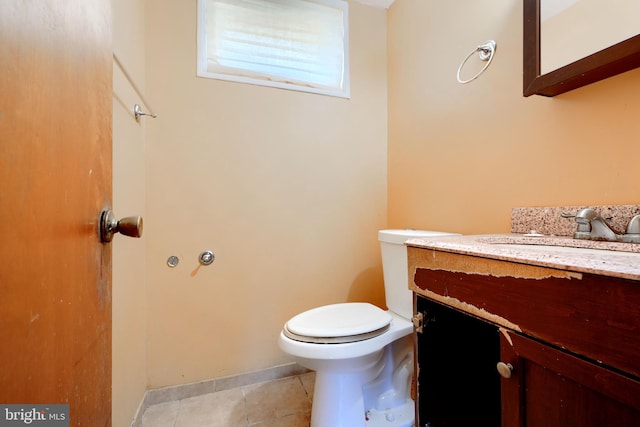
(292, 44)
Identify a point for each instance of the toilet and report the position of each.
(362, 355)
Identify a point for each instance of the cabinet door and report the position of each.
(456, 358)
(551, 388)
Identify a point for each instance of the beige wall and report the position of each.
(461, 156)
(287, 188)
(129, 255)
(290, 188)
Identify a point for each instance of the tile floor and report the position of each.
(284, 402)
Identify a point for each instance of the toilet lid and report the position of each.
(338, 323)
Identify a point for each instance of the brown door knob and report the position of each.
(130, 226)
(505, 369)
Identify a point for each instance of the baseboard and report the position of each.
(144, 404)
(184, 391)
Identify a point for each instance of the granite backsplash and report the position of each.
(548, 221)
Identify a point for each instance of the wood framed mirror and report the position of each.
(610, 61)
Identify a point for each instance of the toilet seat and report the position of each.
(338, 323)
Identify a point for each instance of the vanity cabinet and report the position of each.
(568, 344)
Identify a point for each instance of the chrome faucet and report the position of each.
(592, 226)
(598, 228)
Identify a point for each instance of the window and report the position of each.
(290, 44)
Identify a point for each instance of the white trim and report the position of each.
(289, 86)
(383, 4)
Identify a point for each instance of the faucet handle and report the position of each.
(583, 226)
(634, 225)
(632, 234)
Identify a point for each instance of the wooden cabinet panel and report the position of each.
(551, 388)
(573, 311)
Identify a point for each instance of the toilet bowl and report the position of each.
(362, 355)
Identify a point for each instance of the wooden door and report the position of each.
(55, 178)
(552, 388)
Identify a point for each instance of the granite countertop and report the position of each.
(611, 259)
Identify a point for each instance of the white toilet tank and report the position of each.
(395, 267)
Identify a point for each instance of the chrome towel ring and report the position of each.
(486, 51)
